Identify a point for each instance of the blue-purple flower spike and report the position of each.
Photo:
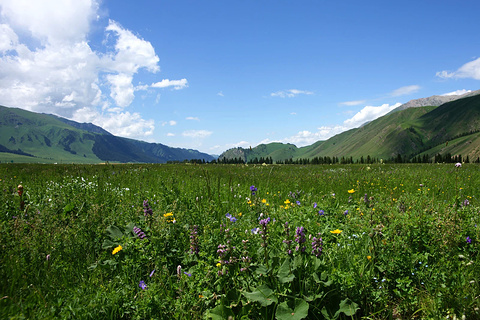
(146, 208)
(139, 232)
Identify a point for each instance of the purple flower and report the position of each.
(142, 285)
(146, 208)
(139, 232)
(255, 230)
(188, 274)
(345, 213)
(469, 240)
(321, 212)
(233, 219)
(317, 245)
(300, 238)
(253, 189)
(228, 215)
(298, 203)
(365, 198)
(466, 202)
(194, 249)
(314, 205)
(151, 273)
(264, 222)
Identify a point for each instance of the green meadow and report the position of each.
(182, 241)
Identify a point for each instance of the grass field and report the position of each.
(248, 242)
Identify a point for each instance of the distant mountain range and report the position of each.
(427, 126)
(32, 137)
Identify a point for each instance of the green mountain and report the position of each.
(452, 127)
(31, 137)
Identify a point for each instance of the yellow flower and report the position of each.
(264, 200)
(286, 201)
(200, 296)
(369, 257)
(351, 191)
(239, 214)
(249, 202)
(219, 265)
(337, 231)
(166, 215)
(117, 249)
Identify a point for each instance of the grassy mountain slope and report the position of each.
(409, 132)
(34, 137)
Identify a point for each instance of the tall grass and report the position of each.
(397, 241)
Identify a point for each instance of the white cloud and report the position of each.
(169, 134)
(192, 118)
(52, 22)
(121, 89)
(403, 91)
(176, 84)
(52, 68)
(220, 94)
(124, 124)
(305, 137)
(170, 123)
(197, 134)
(352, 103)
(221, 148)
(290, 93)
(457, 92)
(369, 113)
(468, 70)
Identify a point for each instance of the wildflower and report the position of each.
(458, 165)
(317, 245)
(139, 232)
(48, 257)
(179, 271)
(369, 257)
(466, 202)
(194, 249)
(255, 230)
(142, 285)
(314, 205)
(337, 231)
(151, 273)
(351, 191)
(287, 241)
(365, 198)
(287, 202)
(264, 200)
(188, 274)
(169, 214)
(146, 208)
(218, 265)
(300, 239)
(321, 212)
(253, 190)
(469, 240)
(117, 249)
(298, 203)
(345, 213)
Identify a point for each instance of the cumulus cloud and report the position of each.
(403, 91)
(197, 134)
(290, 93)
(468, 70)
(457, 92)
(48, 65)
(176, 84)
(369, 113)
(192, 118)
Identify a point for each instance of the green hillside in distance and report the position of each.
(452, 127)
(41, 138)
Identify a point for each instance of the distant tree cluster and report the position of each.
(266, 160)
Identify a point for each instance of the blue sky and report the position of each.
(212, 75)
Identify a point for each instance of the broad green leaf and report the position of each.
(261, 270)
(220, 312)
(262, 294)
(299, 312)
(107, 244)
(114, 232)
(348, 307)
(284, 274)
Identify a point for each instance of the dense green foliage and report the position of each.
(185, 241)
